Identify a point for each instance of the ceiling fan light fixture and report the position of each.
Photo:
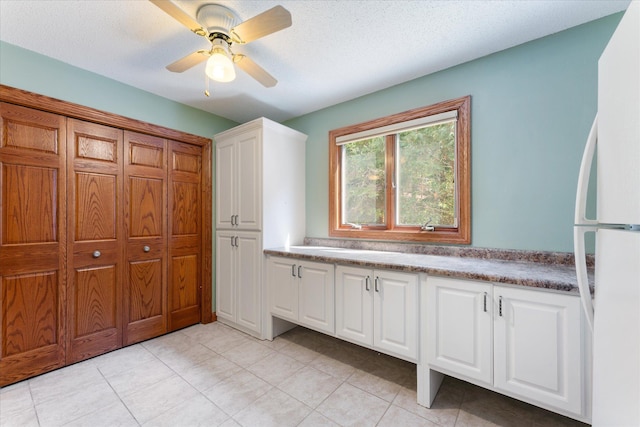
(219, 65)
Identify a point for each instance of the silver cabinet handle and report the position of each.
(366, 283)
(293, 270)
(96, 254)
(376, 283)
(146, 248)
(231, 240)
(300, 272)
(485, 302)
(500, 306)
(236, 240)
(233, 220)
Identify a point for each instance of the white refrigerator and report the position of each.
(614, 312)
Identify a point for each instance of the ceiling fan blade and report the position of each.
(247, 65)
(274, 19)
(188, 61)
(179, 15)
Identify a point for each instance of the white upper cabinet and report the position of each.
(238, 182)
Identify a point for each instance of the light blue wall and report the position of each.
(532, 108)
(24, 69)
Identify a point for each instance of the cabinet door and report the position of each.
(225, 276)
(185, 235)
(316, 296)
(248, 192)
(32, 242)
(282, 282)
(249, 278)
(95, 239)
(537, 346)
(145, 290)
(225, 184)
(395, 313)
(459, 322)
(354, 304)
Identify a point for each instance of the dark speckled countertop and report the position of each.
(559, 276)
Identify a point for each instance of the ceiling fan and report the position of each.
(217, 24)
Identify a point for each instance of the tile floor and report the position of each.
(213, 375)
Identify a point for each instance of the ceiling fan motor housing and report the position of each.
(217, 19)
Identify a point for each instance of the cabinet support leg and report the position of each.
(277, 327)
(428, 384)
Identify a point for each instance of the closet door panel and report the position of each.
(185, 232)
(145, 297)
(32, 242)
(145, 290)
(95, 191)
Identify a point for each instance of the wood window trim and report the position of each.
(44, 103)
(459, 235)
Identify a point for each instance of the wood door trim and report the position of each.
(207, 235)
(44, 103)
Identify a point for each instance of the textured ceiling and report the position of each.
(333, 52)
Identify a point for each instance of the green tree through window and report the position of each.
(426, 176)
(365, 182)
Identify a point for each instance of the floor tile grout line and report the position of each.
(119, 397)
(176, 373)
(33, 402)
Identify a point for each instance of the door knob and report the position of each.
(146, 248)
(96, 254)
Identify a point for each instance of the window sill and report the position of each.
(458, 236)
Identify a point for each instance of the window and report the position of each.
(403, 177)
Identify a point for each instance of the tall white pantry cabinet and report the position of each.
(260, 203)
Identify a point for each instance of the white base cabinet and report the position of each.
(524, 343)
(238, 272)
(378, 309)
(537, 346)
(459, 327)
(302, 292)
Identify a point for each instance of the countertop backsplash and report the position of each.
(544, 257)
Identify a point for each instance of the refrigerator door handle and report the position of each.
(583, 176)
(581, 271)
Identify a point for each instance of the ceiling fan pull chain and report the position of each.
(206, 85)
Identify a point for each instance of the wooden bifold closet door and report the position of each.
(32, 242)
(101, 238)
(145, 302)
(185, 235)
(95, 242)
(164, 236)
